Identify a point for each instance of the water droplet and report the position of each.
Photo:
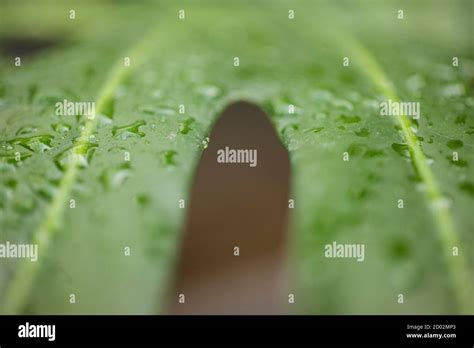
(115, 177)
(43, 187)
(453, 90)
(342, 103)
(373, 177)
(61, 127)
(444, 72)
(158, 110)
(117, 149)
(7, 166)
(102, 121)
(80, 155)
(292, 145)
(371, 104)
(92, 138)
(322, 95)
(454, 144)
(209, 91)
(421, 186)
(458, 163)
(39, 143)
(289, 126)
(399, 249)
(106, 106)
(142, 199)
(440, 203)
(467, 187)
(11, 183)
(156, 94)
(404, 274)
(25, 204)
(11, 158)
(82, 138)
(184, 127)
(415, 176)
(353, 96)
(460, 119)
(356, 149)
(469, 102)
(363, 132)
(121, 91)
(205, 143)
(169, 157)
(359, 194)
(370, 153)
(26, 130)
(314, 130)
(415, 83)
(131, 130)
(321, 116)
(32, 92)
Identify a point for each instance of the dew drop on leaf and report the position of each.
(130, 130)
(39, 143)
(169, 157)
(349, 119)
(356, 149)
(80, 154)
(363, 132)
(468, 187)
(402, 150)
(158, 110)
(205, 143)
(142, 199)
(26, 130)
(185, 126)
(453, 90)
(314, 130)
(115, 177)
(209, 91)
(61, 127)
